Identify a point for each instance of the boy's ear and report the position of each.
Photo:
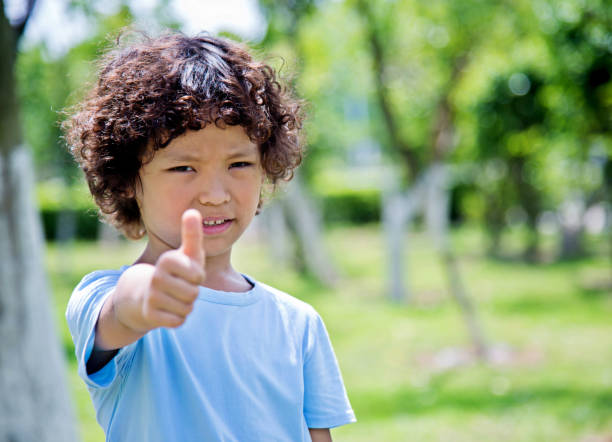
(132, 191)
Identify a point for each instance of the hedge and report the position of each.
(351, 207)
(57, 201)
(86, 222)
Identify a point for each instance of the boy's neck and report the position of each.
(228, 283)
(220, 275)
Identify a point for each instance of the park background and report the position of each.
(451, 221)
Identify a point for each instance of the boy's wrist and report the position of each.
(123, 320)
(118, 323)
(127, 301)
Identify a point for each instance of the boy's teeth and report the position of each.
(213, 223)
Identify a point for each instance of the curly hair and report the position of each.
(155, 89)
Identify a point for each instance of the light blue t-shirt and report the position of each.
(252, 366)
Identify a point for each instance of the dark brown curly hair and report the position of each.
(153, 90)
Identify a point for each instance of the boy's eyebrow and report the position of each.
(242, 151)
(180, 156)
(238, 151)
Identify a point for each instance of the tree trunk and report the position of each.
(304, 220)
(278, 237)
(529, 198)
(108, 235)
(494, 222)
(437, 216)
(399, 211)
(395, 217)
(572, 228)
(34, 404)
(34, 400)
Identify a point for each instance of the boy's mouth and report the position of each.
(216, 226)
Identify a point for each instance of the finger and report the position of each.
(175, 307)
(192, 236)
(161, 301)
(161, 318)
(176, 263)
(178, 288)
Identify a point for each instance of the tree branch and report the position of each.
(444, 126)
(398, 144)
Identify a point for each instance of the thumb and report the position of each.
(192, 235)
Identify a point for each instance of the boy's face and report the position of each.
(215, 171)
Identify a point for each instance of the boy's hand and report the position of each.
(177, 277)
(173, 283)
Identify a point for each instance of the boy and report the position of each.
(176, 141)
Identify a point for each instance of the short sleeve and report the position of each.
(326, 403)
(82, 314)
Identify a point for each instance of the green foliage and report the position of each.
(43, 91)
(506, 117)
(55, 195)
(49, 86)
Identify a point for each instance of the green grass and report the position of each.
(554, 319)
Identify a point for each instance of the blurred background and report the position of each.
(451, 221)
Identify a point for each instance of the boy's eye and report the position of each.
(240, 164)
(181, 169)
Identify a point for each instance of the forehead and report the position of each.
(210, 141)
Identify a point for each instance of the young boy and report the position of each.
(176, 141)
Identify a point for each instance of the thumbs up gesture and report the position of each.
(177, 276)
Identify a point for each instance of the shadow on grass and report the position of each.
(589, 299)
(377, 405)
(596, 289)
(535, 304)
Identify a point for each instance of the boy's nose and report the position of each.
(213, 193)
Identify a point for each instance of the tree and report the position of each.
(425, 185)
(34, 405)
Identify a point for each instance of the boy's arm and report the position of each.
(320, 435)
(150, 296)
